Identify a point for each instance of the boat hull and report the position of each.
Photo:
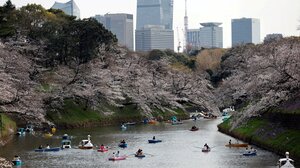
(196, 129)
(205, 150)
(66, 147)
(102, 150)
(139, 156)
(117, 158)
(154, 141)
(85, 147)
(177, 123)
(123, 145)
(17, 162)
(237, 145)
(48, 150)
(249, 154)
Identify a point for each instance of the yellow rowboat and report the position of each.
(48, 135)
(237, 145)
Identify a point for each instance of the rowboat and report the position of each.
(123, 145)
(48, 135)
(117, 158)
(29, 128)
(154, 141)
(140, 156)
(20, 131)
(205, 149)
(194, 129)
(250, 153)
(66, 144)
(152, 122)
(123, 127)
(286, 162)
(86, 143)
(17, 161)
(102, 150)
(177, 122)
(56, 149)
(237, 145)
(130, 123)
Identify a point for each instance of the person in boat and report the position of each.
(47, 146)
(102, 147)
(113, 155)
(41, 147)
(153, 138)
(229, 142)
(206, 146)
(252, 150)
(16, 158)
(118, 154)
(123, 141)
(247, 150)
(139, 152)
(194, 127)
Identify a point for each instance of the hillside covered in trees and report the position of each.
(58, 69)
(55, 68)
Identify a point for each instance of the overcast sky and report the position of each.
(276, 16)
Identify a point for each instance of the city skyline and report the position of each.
(275, 17)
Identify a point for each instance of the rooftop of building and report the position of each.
(210, 24)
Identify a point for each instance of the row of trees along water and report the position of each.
(67, 40)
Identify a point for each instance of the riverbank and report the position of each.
(268, 134)
(7, 129)
(77, 115)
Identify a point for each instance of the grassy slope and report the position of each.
(7, 126)
(75, 114)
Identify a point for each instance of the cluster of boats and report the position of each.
(22, 131)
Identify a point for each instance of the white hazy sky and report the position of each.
(276, 16)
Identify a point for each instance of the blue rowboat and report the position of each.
(17, 162)
(56, 149)
(139, 156)
(154, 141)
(250, 153)
(123, 145)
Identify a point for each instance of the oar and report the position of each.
(149, 154)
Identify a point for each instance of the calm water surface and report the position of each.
(180, 148)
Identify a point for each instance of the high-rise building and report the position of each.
(154, 13)
(69, 8)
(211, 35)
(167, 11)
(154, 37)
(121, 25)
(245, 30)
(193, 38)
(208, 36)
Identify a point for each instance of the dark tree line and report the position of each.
(67, 41)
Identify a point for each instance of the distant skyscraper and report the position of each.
(245, 30)
(211, 35)
(193, 38)
(208, 36)
(121, 25)
(167, 11)
(69, 8)
(152, 14)
(154, 37)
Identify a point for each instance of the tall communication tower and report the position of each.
(186, 27)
